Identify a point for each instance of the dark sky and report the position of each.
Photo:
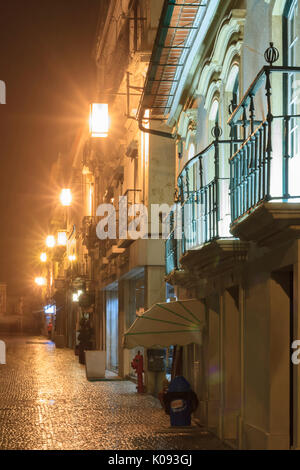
(45, 60)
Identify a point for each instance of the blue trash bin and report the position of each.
(180, 402)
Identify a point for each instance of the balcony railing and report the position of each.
(89, 235)
(266, 166)
(202, 213)
(173, 244)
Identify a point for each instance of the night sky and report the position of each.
(46, 62)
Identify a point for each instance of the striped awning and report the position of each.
(166, 324)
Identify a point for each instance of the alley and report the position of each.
(46, 403)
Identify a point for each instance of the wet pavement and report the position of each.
(46, 403)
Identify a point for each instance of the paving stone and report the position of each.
(46, 403)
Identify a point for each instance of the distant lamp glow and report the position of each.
(99, 120)
(75, 297)
(72, 258)
(43, 257)
(66, 197)
(50, 241)
(40, 281)
(49, 309)
(62, 238)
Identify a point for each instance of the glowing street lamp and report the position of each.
(99, 120)
(62, 238)
(40, 281)
(76, 295)
(50, 241)
(72, 258)
(43, 257)
(66, 197)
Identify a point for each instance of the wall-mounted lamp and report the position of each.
(62, 238)
(50, 241)
(66, 197)
(99, 120)
(40, 281)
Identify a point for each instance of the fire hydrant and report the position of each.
(138, 365)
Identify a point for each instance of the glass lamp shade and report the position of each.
(62, 238)
(66, 197)
(99, 120)
(50, 241)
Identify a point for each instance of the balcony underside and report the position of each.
(115, 251)
(181, 278)
(269, 224)
(215, 257)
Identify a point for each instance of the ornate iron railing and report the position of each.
(250, 172)
(173, 244)
(202, 204)
(260, 169)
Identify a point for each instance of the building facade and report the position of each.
(234, 112)
(3, 295)
(203, 107)
(130, 268)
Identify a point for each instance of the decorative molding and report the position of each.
(187, 122)
(222, 55)
(278, 8)
(214, 88)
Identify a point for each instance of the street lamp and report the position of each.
(62, 238)
(40, 281)
(76, 295)
(72, 258)
(43, 257)
(50, 241)
(99, 120)
(66, 197)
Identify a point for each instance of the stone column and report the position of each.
(213, 403)
(231, 364)
(296, 336)
(279, 417)
(154, 292)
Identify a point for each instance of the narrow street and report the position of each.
(46, 403)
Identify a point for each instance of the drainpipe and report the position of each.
(153, 131)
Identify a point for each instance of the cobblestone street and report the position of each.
(47, 403)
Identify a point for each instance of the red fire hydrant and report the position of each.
(138, 365)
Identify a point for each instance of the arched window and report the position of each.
(191, 153)
(214, 111)
(213, 117)
(232, 95)
(232, 87)
(291, 58)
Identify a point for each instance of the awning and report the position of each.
(178, 27)
(166, 324)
